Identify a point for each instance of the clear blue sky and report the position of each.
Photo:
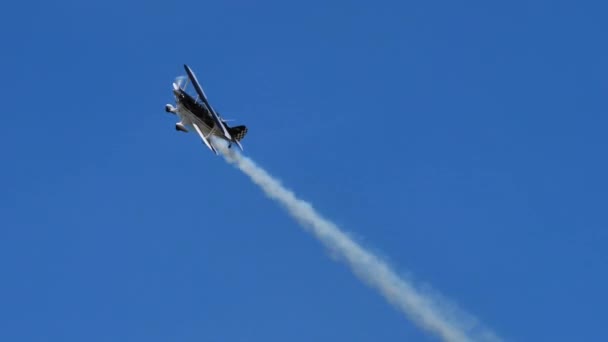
(465, 142)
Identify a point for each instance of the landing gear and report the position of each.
(170, 109)
(180, 127)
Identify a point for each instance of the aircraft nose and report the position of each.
(176, 89)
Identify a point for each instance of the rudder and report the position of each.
(238, 132)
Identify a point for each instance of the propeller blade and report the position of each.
(180, 80)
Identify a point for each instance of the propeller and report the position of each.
(179, 80)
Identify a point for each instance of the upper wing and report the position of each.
(201, 93)
(205, 140)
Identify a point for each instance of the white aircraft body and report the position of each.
(199, 115)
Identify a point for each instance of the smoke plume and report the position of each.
(428, 311)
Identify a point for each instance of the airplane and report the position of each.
(200, 115)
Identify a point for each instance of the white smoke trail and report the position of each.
(442, 319)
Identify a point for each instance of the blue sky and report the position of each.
(464, 142)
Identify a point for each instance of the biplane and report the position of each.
(198, 114)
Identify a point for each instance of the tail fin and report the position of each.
(238, 132)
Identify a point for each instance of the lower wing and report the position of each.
(205, 140)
